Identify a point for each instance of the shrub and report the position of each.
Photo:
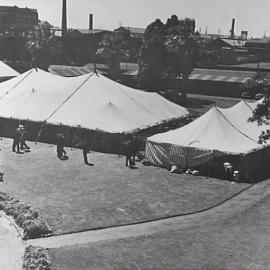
(25, 216)
(36, 258)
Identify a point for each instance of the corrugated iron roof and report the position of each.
(221, 75)
(71, 71)
(233, 76)
(234, 42)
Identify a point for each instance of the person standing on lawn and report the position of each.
(131, 148)
(60, 143)
(16, 139)
(85, 144)
(23, 144)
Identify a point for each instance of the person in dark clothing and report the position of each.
(23, 144)
(16, 139)
(85, 145)
(131, 148)
(129, 154)
(60, 143)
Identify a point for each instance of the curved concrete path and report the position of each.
(236, 205)
(11, 246)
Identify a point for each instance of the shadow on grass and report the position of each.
(89, 164)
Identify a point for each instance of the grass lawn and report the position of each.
(236, 240)
(73, 197)
(221, 245)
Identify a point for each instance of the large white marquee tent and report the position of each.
(30, 79)
(7, 71)
(89, 101)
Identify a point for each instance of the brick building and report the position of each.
(17, 19)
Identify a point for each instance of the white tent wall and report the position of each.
(166, 155)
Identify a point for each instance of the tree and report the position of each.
(260, 83)
(113, 49)
(182, 48)
(152, 57)
(38, 44)
(169, 52)
(257, 84)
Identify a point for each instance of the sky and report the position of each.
(215, 15)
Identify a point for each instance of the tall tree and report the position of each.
(38, 44)
(182, 48)
(170, 51)
(152, 57)
(113, 49)
(260, 83)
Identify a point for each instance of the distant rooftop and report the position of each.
(87, 31)
(135, 30)
(213, 36)
(259, 40)
(72, 71)
(234, 42)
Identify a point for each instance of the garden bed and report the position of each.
(36, 258)
(25, 216)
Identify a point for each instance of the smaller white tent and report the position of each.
(217, 132)
(239, 114)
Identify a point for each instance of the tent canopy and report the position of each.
(28, 80)
(212, 131)
(218, 132)
(239, 114)
(91, 101)
(7, 71)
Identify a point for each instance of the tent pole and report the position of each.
(40, 130)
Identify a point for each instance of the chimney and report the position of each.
(232, 29)
(90, 22)
(64, 18)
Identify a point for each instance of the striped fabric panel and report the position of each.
(166, 155)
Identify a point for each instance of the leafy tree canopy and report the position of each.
(113, 49)
(38, 43)
(260, 83)
(169, 51)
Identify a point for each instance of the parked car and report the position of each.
(246, 95)
(259, 96)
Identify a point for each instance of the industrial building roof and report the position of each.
(213, 75)
(221, 75)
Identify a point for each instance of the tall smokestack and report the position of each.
(64, 18)
(232, 29)
(90, 22)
